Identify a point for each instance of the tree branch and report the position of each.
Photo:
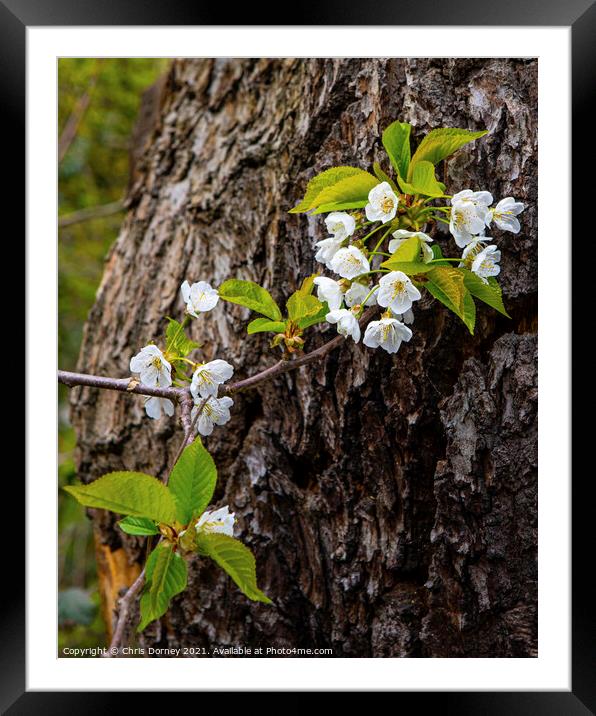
(91, 212)
(184, 398)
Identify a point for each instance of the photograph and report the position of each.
(298, 357)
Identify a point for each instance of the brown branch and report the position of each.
(91, 212)
(184, 399)
(125, 605)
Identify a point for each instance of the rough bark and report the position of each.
(391, 501)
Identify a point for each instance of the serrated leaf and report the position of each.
(264, 325)
(423, 181)
(396, 140)
(446, 284)
(410, 268)
(488, 293)
(349, 193)
(381, 176)
(177, 341)
(166, 575)
(302, 305)
(140, 526)
(235, 559)
(315, 318)
(193, 481)
(128, 493)
(321, 181)
(409, 251)
(440, 143)
(250, 295)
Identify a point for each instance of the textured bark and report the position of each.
(391, 501)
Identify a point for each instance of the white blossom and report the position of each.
(388, 333)
(221, 520)
(469, 212)
(350, 262)
(382, 203)
(472, 250)
(327, 248)
(356, 294)
(208, 376)
(199, 297)
(407, 317)
(155, 406)
(152, 367)
(347, 323)
(397, 292)
(330, 291)
(340, 225)
(486, 263)
(505, 215)
(216, 411)
(402, 235)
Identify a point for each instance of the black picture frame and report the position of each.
(580, 16)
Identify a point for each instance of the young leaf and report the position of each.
(251, 295)
(489, 293)
(128, 493)
(446, 284)
(140, 526)
(440, 143)
(410, 268)
(177, 341)
(235, 559)
(166, 575)
(408, 251)
(381, 176)
(302, 305)
(308, 284)
(396, 140)
(349, 193)
(423, 181)
(264, 325)
(192, 481)
(316, 185)
(315, 318)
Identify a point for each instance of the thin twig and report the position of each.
(91, 212)
(184, 399)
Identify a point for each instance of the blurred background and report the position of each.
(98, 104)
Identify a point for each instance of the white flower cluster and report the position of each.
(155, 371)
(395, 291)
(470, 216)
(221, 521)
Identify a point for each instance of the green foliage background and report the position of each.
(93, 172)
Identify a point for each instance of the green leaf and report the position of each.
(450, 282)
(423, 181)
(235, 559)
(302, 305)
(409, 251)
(316, 185)
(410, 268)
(192, 481)
(128, 493)
(381, 176)
(396, 140)
(349, 193)
(177, 341)
(488, 293)
(446, 284)
(166, 575)
(315, 318)
(251, 295)
(263, 325)
(141, 526)
(440, 143)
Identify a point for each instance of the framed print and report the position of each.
(307, 292)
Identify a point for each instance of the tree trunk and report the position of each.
(390, 501)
